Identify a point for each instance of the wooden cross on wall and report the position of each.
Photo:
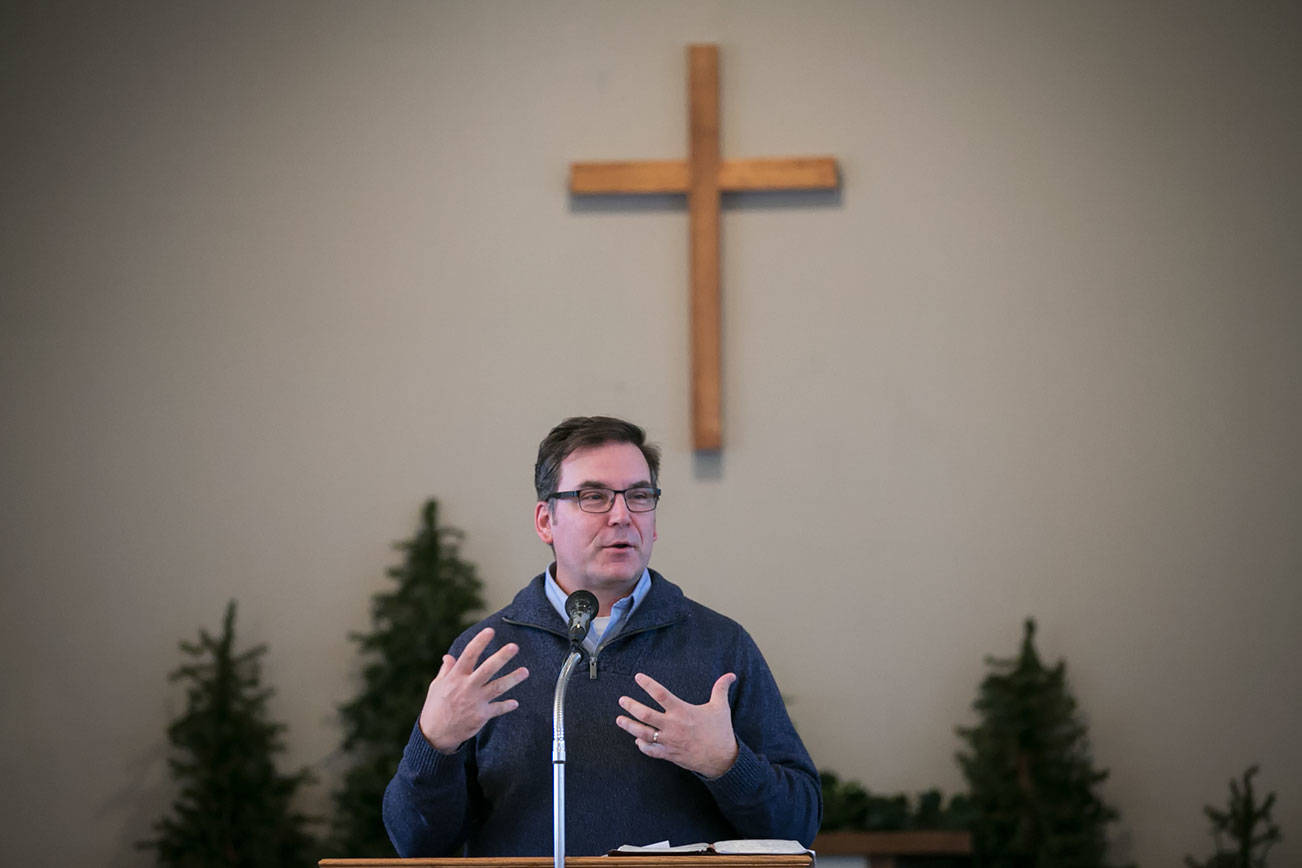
(703, 176)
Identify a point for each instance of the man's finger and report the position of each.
(644, 714)
(719, 695)
(655, 690)
(497, 709)
(469, 658)
(448, 662)
(485, 671)
(506, 682)
(640, 730)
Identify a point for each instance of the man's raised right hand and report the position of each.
(463, 695)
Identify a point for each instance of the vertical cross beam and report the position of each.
(703, 228)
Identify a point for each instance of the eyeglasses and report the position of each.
(640, 499)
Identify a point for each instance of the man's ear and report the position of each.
(542, 522)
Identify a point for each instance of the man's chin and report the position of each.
(619, 576)
(618, 573)
(619, 579)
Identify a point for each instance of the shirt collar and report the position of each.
(619, 612)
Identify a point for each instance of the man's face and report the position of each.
(600, 552)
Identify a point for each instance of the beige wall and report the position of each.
(274, 273)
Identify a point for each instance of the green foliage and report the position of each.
(1239, 823)
(413, 626)
(849, 806)
(1029, 770)
(234, 807)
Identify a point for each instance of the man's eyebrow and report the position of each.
(592, 483)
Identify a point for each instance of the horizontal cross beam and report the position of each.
(734, 176)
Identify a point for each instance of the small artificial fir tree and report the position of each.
(234, 807)
(413, 626)
(1031, 778)
(1239, 822)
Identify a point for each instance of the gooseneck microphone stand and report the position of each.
(558, 758)
(580, 607)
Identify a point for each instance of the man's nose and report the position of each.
(619, 513)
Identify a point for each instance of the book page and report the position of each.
(663, 847)
(759, 846)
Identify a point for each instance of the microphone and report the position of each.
(580, 606)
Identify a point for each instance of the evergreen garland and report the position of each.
(234, 807)
(849, 806)
(1239, 822)
(1031, 779)
(413, 626)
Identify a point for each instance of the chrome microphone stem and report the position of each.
(558, 758)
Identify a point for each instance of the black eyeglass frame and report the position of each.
(574, 496)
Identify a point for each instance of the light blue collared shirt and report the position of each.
(618, 613)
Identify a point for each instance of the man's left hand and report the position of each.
(698, 738)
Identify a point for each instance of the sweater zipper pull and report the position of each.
(592, 667)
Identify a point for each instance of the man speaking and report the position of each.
(676, 727)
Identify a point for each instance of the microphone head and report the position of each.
(581, 607)
(581, 603)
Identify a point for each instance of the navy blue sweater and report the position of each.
(493, 796)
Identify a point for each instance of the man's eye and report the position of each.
(640, 496)
(592, 495)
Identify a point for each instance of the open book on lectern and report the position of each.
(739, 847)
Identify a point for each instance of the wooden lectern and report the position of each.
(881, 849)
(641, 860)
(888, 849)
